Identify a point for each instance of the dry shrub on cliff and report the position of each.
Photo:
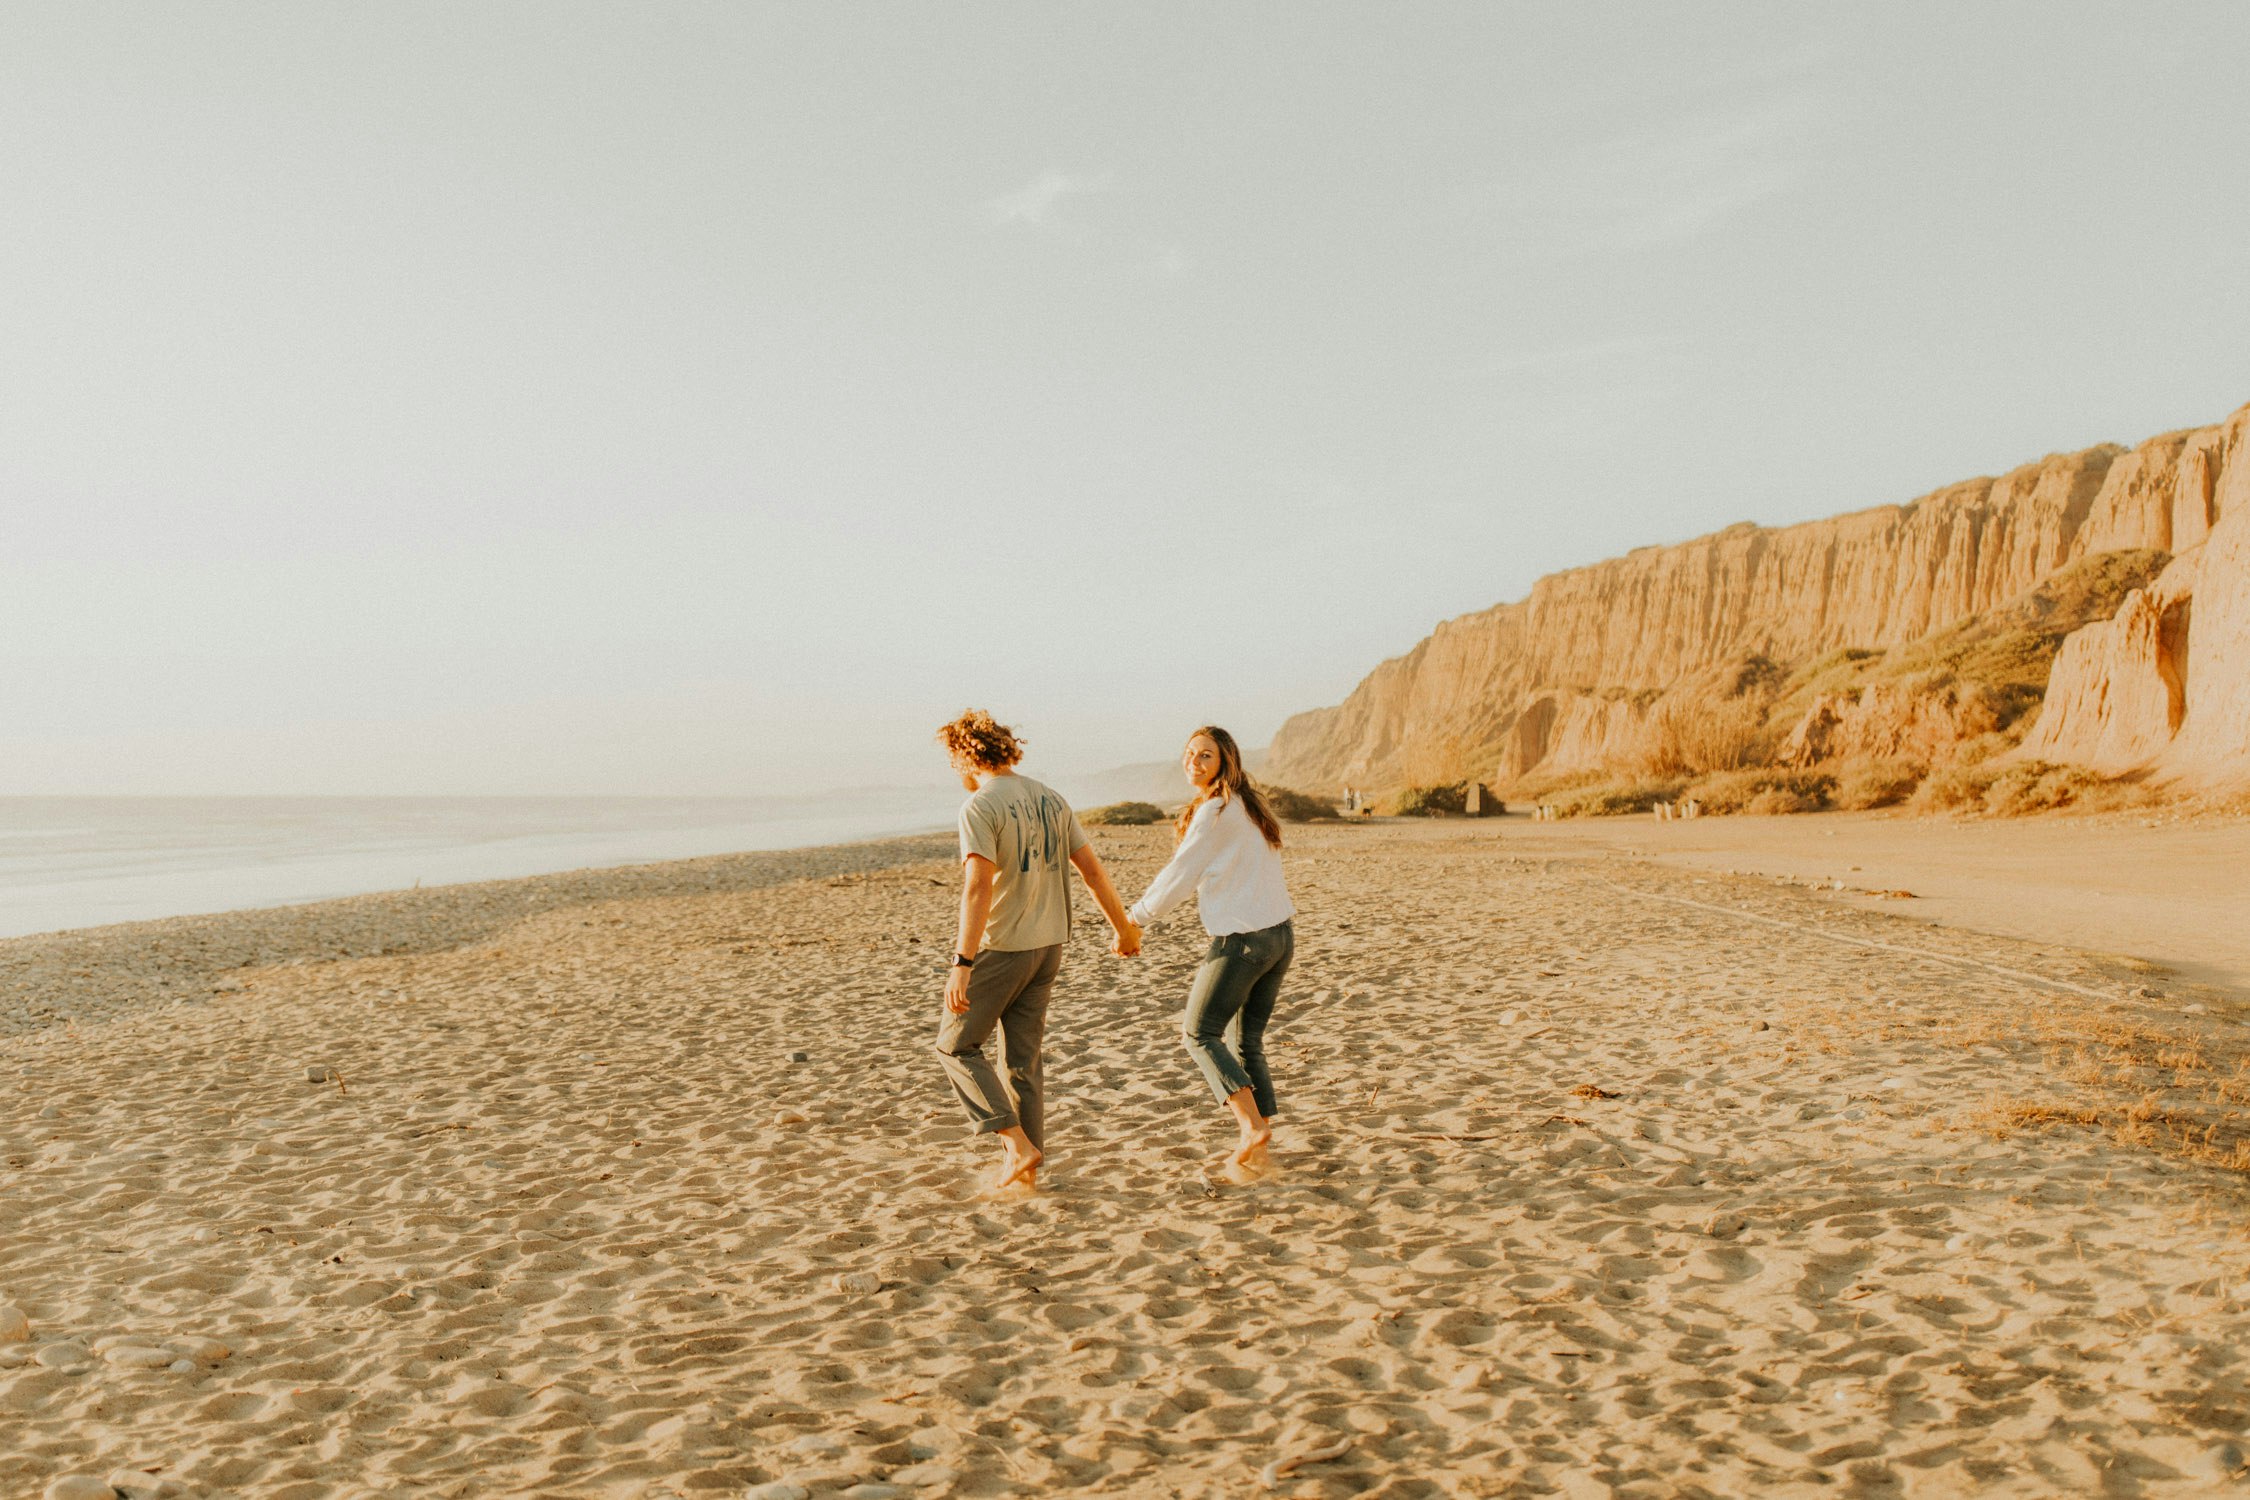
(1690, 739)
(2010, 651)
(1876, 783)
(1999, 660)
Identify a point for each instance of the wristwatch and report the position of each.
(963, 963)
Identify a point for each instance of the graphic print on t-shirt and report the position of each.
(1029, 834)
(1041, 828)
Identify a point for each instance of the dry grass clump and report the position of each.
(2158, 1090)
(2036, 786)
(1766, 789)
(1444, 801)
(1293, 806)
(2013, 788)
(1124, 815)
(1951, 789)
(1864, 784)
(1611, 799)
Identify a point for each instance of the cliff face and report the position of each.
(1577, 676)
(2164, 686)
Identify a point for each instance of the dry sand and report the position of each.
(1595, 1176)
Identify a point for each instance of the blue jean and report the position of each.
(1228, 1008)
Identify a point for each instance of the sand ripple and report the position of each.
(1578, 1193)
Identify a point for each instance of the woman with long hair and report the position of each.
(1228, 855)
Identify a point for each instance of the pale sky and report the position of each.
(555, 398)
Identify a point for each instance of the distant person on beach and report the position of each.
(1228, 856)
(1016, 838)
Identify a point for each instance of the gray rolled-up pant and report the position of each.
(1008, 991)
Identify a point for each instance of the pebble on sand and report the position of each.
(139, 1484)
(859, 1283)
(62, 1355)
(80, 1487)
(800, 1057)
(789, 1117)
(317, 1073)
(202, 1351)
(15, 1325)
(138, 1357)
(924, 1476)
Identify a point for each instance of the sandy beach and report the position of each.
(1597, 1174)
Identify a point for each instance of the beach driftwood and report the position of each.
(1273, 1473)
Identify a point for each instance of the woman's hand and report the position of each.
(1128, 940)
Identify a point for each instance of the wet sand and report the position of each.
(1595, 1175)
(2171, 889)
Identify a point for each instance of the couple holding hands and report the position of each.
(1018, 840)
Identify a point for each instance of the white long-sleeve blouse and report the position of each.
(1233, 872)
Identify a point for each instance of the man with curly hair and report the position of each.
(1017, 840)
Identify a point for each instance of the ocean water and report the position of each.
(70, 862)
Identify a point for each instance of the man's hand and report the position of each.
(957, 990)
(1128, 941)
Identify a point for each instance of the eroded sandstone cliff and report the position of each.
(1617, 667)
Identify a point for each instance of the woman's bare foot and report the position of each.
(1241, 1174)
(1257, 1130)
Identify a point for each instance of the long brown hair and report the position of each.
(1232, 781)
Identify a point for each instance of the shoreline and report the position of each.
(87, 973)
(67, 864)
(2163, 893)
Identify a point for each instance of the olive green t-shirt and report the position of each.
(1029, 833)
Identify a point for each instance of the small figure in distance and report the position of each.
(1018, 840)
(1229, 856)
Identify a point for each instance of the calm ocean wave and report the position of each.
(87, 861)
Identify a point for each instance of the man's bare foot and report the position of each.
(1021, 1166)
(1252, 1151)
(1019, 1162)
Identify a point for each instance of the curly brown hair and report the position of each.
(982, 741)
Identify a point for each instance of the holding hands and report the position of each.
(1128, 940)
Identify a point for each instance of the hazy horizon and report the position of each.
(559, 399)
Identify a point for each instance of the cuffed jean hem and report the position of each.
(1224, 1025)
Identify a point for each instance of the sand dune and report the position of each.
(1594, 1177)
